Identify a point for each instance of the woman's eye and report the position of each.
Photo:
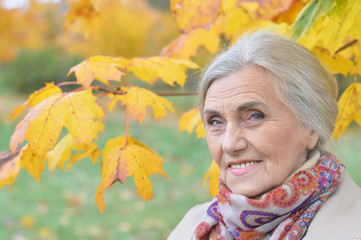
(257, 116)
(214, 122)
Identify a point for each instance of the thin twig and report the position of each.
(67, 83)
(346, 46)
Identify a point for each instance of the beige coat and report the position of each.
(338, 219)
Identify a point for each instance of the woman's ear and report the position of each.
(312, 140)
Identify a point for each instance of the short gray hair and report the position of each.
(300, 80)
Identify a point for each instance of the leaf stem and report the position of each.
(126, 127)
(67, 83)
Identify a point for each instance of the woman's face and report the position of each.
(252, 135)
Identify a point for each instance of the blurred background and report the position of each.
(40, 43)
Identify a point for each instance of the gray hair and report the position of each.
(300, 80)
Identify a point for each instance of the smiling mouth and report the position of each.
(244, 165)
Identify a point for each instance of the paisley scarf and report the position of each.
(283, 213)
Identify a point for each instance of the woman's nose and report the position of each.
(234, 139)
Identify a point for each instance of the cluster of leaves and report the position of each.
(328, 28)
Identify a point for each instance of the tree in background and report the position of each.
(330, 29)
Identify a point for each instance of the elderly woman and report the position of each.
(269, 108)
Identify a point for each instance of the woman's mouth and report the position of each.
(243, 168)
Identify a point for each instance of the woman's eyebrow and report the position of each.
(249, 105)
(211, 111)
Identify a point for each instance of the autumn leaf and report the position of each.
(138, 99)
(290, 15)
(338, 24)
(349, 109)
(63, 149)
(33, 161)
(85, 12)
(309, 15)
(122, 158)
(212, 176)
(38, 96)
(77, 111)
(101, 68)
(335, 64)
(188, 44)
(192, 14)
(191, 120)
(169, 70)
(9, 167)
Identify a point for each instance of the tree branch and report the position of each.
(169, 94)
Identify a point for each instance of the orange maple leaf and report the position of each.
(212, 176)
(169, 70)
(77, 111)
(137, 99)
(192, 14)
(98, 67)
(38, 96)
(121, 161)
(191, 120)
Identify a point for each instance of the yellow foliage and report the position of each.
(192, 14)
(212, 176)
(124, 157)
(190, 120)
(23, 28)
(126, 28)
(169, 70)
(101, 68)
(136, 101)
(38, 96)
(335, 64)
(349, 109)
(9, 168)
(62, 153)
(77, 111)
(186, 45)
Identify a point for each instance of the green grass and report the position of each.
(62, 206)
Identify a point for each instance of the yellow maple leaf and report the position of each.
(192, 14)
(188, 44)
(33, 161)
(339, 23)
(120, 161)
(9, 167)
(212, 176)
(191, 120)
(138, 99)
(169, 70)
(85, 12)
(77, 111)
(101, 68)
(62, 153)
(38, 96)
(334, 63)
(349, 109)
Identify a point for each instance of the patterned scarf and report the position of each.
(283, 213)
